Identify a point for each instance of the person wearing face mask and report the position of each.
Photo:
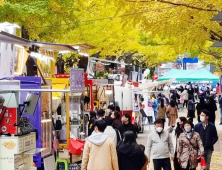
(189, 144)
(160, 144)
(179, 129)
(127, 125)
(99, 146)
(208, 135)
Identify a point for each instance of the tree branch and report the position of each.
(180, 4)
(219, 37)
(215, 54)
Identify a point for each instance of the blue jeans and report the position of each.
(155, 114)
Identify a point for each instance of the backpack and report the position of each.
(191, 106)
(58, 125)
(118, 136)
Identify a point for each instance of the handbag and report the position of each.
(150, 105)
(168, 114)
(196, 148)
(202, 163)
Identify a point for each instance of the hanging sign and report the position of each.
(77, 83)
(7, 59)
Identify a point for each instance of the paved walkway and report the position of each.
(216, 163)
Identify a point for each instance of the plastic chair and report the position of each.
(58, 160)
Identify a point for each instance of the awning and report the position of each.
(189, 75)
(55, 47)
(12, 39)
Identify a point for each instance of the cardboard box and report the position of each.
(76, 158)
(63, 154)
(33, 168)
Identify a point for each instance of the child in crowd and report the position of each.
(145, 165)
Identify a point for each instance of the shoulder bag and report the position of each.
(168, 114)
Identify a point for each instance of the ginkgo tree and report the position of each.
(156, 30)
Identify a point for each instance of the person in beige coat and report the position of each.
(99, 151)
(172, 110)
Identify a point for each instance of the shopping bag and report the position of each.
(202, 163)
(55, 144)
(150, 104)
(75, 146)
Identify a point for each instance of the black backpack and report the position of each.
(58, 125)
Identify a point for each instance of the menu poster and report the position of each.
(135, 97)
(77, 83)
(7, 57)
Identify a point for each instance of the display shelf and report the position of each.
(34, 151)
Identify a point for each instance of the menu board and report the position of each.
(77, 83)
(135, 97)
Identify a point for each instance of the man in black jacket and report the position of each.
(208, 134)
(127, 125)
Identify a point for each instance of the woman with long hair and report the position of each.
(130, 155)
(172, 111)
(161, 111)
(179, 129)
(190, 147)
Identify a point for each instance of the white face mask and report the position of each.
(202, 118)
(187, 128)
(159, 129)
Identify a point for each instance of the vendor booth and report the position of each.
(189, 75)
(31, 101)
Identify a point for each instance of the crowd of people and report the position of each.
(118, 149)
(188, 97)
(114, 141)
(191, 144)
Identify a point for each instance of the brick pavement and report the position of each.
(216, 163)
